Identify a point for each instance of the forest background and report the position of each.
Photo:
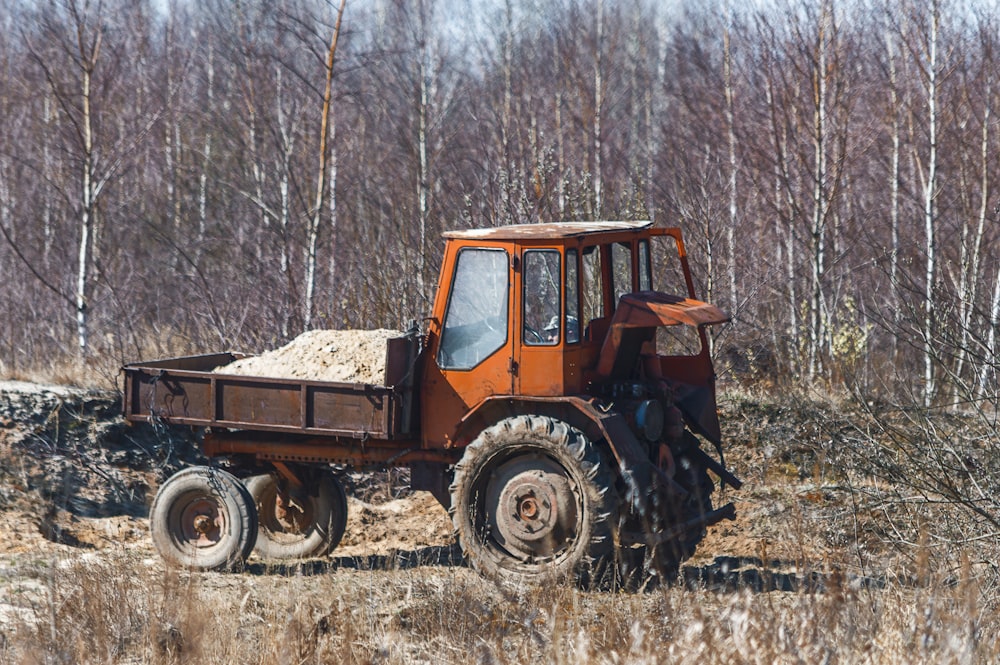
(182, 177)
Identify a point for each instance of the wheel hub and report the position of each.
(291, 517)
(202, 523)
(536, 512)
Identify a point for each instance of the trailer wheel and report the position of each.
(204, 519)
(531, 502)
(309, 527)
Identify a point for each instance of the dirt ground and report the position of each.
(76, 483)
(74, 477)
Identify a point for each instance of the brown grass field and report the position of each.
(826, 563)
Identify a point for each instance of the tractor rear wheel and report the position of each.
(204, 519)
(298, 527)
(531, 501)
(664, 559)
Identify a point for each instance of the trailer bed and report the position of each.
(186, 391)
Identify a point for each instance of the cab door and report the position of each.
(545, 323)
(472, 346)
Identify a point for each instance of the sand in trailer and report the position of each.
(356, 356)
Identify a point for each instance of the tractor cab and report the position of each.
(544, 311)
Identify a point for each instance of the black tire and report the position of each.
(665, 559)
(203, 519)
(531, 502)
(314, 528)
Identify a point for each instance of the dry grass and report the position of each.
(125, 609)
(97, 375)
(833, 562)
(100, 369)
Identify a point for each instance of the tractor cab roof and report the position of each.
(548, 231)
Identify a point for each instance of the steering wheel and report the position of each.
(532, 336)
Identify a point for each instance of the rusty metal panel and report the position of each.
(152, 392)
(334, 408)
(276, 404)
(158, 390)
(200, 363)
(638, 314)
(399, 356)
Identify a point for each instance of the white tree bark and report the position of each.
(206, 158)
(890, 48)
(727, 77)
(972, 242)
(817, 320)
(598, 104)
(423, 175)
(89, 54)
(988, 370)
(930, 195)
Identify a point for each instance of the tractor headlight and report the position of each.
(649, 419)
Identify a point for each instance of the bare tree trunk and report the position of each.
(894, 191)
(324, 136)
(334, 163)
(423, 177)
(817, 319)
(287, 137)
(988, 371)
(256, 168)
(783, 200)
(48, 233)
(560, 157)
(930, 193)
(88, 61)
(598, 103)
(206, 160)
(971, 249)
(727, 76)
(560, 139)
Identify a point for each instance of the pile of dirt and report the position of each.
(323, 355)
(72, 472)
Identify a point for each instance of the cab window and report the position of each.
(592, 285)
(645, 276)
(475, 322)
(541, 299)
(572, 297)
(621, 269)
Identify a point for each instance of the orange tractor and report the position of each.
(555, 403)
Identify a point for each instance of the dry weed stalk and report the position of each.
(126, 611)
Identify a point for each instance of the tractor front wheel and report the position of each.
(531, 502)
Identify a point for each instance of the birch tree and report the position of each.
(77, 40)
(924, 48)
(729, 94)
(980, 86)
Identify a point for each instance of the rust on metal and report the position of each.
(186, 391)
(202, 523)
(551, 231)
(375, 453)
(649, 310)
